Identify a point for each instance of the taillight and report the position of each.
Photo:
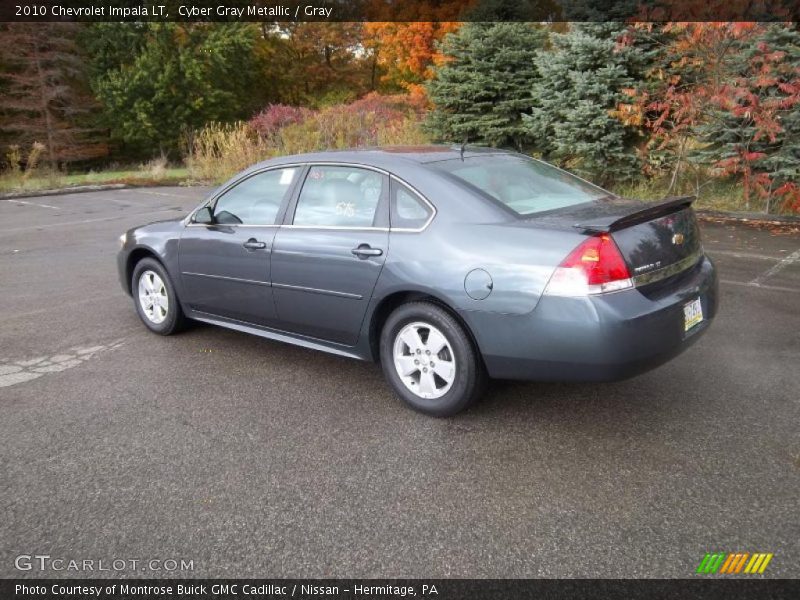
(594, 267)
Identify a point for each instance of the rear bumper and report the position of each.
(598, 338)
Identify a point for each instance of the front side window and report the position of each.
(339, 196)
(524, 185)
(256, 200)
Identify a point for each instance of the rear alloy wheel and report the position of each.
(155, 298)
(424, 360)
(429, 360)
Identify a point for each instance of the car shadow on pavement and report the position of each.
(625, 405)
(642, 404)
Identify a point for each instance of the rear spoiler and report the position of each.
(648, 212)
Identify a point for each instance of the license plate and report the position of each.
(692, 314)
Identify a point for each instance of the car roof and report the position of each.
(385, 156)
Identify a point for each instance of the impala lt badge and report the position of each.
(647, 267)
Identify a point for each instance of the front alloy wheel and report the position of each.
(153, 297)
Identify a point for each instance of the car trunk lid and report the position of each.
(656, 239)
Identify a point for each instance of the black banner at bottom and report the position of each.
(386, 589)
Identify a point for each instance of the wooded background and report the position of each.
(645, 109)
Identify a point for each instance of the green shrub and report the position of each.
(712, 192)
(24, 171)
(219, 151)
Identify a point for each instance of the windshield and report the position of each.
(524, 185)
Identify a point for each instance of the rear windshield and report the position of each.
(524, 185)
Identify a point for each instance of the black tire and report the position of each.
(174, 319)
(470, 379)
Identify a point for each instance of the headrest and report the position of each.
(340, 190)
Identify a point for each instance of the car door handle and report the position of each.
(254, 244)
(365, 251)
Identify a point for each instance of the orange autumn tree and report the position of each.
(691, 61)
(406, 52)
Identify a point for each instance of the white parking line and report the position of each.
(735, 254)
(760, 286)
(83, 222)
(30, 203)
(775, 269)
(154, 193)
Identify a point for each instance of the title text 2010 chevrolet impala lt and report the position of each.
(447, 265)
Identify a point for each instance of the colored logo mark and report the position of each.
(734, 563)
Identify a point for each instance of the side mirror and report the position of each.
(203, 216)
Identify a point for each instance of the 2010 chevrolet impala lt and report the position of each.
(447, 265)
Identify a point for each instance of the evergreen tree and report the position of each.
(583, 80)
(482, 89)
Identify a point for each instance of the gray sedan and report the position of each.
(446, 265)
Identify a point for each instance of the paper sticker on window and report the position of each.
(345, 209)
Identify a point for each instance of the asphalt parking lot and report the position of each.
(254, 458)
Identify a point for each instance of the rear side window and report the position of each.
(524, 185)
(334, 196)
(408, 211)
(256, 200)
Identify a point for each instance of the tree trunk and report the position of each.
(374, 72)
(45, 106)
(677, 168)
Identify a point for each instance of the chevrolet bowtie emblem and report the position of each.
(677, 239)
